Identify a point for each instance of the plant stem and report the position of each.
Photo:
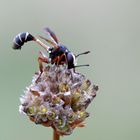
(55, 135)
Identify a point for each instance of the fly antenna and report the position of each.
(81, 65)
(82, 53)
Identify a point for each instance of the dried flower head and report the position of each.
(59, 99)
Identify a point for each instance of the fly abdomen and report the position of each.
(21, 38)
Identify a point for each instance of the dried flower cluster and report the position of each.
(59, 99)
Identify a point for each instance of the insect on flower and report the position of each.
(58, 53)
(58, 96)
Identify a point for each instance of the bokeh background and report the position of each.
(110, 29)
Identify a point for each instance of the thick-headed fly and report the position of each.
(58, 53)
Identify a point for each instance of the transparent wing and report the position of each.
(51, 35)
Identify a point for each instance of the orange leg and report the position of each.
(57, 59)
(42, 58)
(60, 58)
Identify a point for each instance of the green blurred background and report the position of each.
(110, 29)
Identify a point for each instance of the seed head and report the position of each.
(59, 99)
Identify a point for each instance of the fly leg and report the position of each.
(42, 58)
(60, 58)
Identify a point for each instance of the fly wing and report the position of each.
(51, 34)
(49, 41)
